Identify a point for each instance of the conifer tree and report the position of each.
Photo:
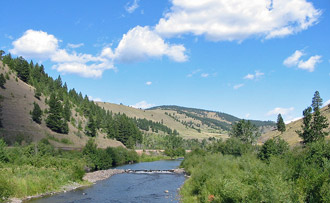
(280, 123)
(314, 125)
(36, 113)
(90, 129)
(67, 111)
(316, 101)
(2, 81)
(54, 120)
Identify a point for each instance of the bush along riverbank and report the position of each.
(234, 171)
(38, 168)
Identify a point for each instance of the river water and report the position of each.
(132, 187)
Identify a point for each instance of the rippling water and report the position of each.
(129, 187)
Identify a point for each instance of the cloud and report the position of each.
(130, 8)
(74, 46)
(310, 63)
(94, 99)
(257, 75)
(223, 20)
(142, 105)
(247, 115)
(141, 43)
(205, 75)
(294, 60)
(41, 45)
(279, 110)
(238, 86)
(148, 83)
(35, 44)
(9, 37)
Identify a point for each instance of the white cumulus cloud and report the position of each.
(142, 105)
(279, 110)
(205, 75)
(220, 20)
(141, 43)
(295, 61)
(310, 63)
(94, 99)
(148, 83)
(41, 45)
(35, 44)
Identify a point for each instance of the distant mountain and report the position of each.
(189, 122)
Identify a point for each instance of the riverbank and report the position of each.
(88, 179)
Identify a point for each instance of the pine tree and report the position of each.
(314, 125)
(316, 101)
(280, 123)
(67, 111)
(54, 119)
(245, 131)
(2, 81)
(90, 129)
(36, 113)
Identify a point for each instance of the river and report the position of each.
(129, 187)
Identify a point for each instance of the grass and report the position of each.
(149, 158)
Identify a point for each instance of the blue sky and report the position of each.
(253, 59)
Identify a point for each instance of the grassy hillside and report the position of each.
(189, 122)
(18, 126)
(290, 134)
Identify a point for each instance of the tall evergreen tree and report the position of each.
(280, 123)
(67, 111)
(316, 101)
(90, 129)
(54, 120)
(36, 113)
(314, 125)
(2, 81)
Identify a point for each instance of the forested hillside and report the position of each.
(34, 106)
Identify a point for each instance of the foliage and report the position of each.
(245, 131)
(36, 113)
(2, 81)
(90, 129)
(302, 175)
(55, 120)
(314, 125)
(273, 147)
(280, 124)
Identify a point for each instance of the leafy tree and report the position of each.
(273, 147)
(36, 113)
(245, 131)
(280, 123)
(2, 81)
(316, 101)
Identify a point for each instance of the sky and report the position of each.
(252, 59)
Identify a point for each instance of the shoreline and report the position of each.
(90, 179)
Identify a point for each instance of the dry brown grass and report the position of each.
(290, 134)
(18, 124)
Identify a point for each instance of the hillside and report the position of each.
(18, 126)
(290, 134)
(189, 122)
